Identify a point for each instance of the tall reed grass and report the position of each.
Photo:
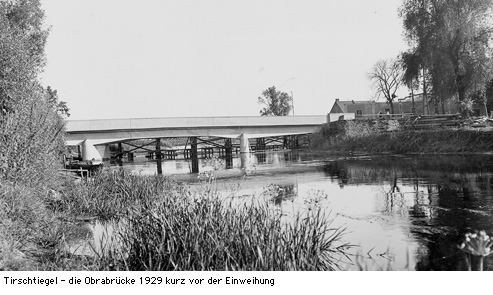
(108, 195)
(164, 225)
(26, 226)
(211, 234)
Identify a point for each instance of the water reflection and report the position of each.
(409, 211)
(441, 197)
(257, 161)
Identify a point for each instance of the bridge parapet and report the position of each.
(181, 122)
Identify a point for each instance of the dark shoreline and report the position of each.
(444, 142)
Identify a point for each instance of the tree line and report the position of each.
(450, 55)
(31, 116)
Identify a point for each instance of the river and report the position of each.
(400, 212)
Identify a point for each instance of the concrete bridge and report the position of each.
(94, 136)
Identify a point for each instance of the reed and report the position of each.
(165, 225)
(211, 234)
(108, 195)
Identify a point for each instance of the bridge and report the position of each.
(95, 136)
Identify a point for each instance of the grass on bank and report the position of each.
(167, 226)
(356, 136)
(28, 228)
(163, 225)
(211, 234)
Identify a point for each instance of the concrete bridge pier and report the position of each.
(194, 155)
(244, 151)
(90, 152)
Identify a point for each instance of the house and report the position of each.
(403, 106)
(370, 107)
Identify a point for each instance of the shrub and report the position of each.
(359, 129)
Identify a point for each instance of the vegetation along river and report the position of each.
(400, 212)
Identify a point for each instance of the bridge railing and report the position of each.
(146, 123)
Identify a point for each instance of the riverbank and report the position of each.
(367, 140)
(172, 226)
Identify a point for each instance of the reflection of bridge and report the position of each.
(94, 136)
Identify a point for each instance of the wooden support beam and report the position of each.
(211, 142)
(159, 156)
(260, 144)
(136, 147)
(194, 155)
(229, 153)
(120, 154)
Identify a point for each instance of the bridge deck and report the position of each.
(231, 127)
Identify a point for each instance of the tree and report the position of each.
(386, 78)
(31, 117)
(22, 42)
(60, 106)
(277, 103)
(31, 131)
(411, 65)
(452, 42)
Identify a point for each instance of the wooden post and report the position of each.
(120, 154)
(260, 144)
(194, 155)
(229, 153)
(158, 156)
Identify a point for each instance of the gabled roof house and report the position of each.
(369, 107)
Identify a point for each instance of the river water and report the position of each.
(400, 212)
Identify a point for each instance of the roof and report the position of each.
(340, 106)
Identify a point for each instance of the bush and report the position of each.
(359, 129)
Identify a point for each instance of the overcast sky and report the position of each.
(184, 58)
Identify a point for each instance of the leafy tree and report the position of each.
(60, 106)
(31, 132)
(22, 42)
(277, 103)
(450, 41)
(412, 69)
(386, 78)
(31, 117)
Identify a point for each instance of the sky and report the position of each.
(189, 58)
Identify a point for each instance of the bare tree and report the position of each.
(386, 78)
